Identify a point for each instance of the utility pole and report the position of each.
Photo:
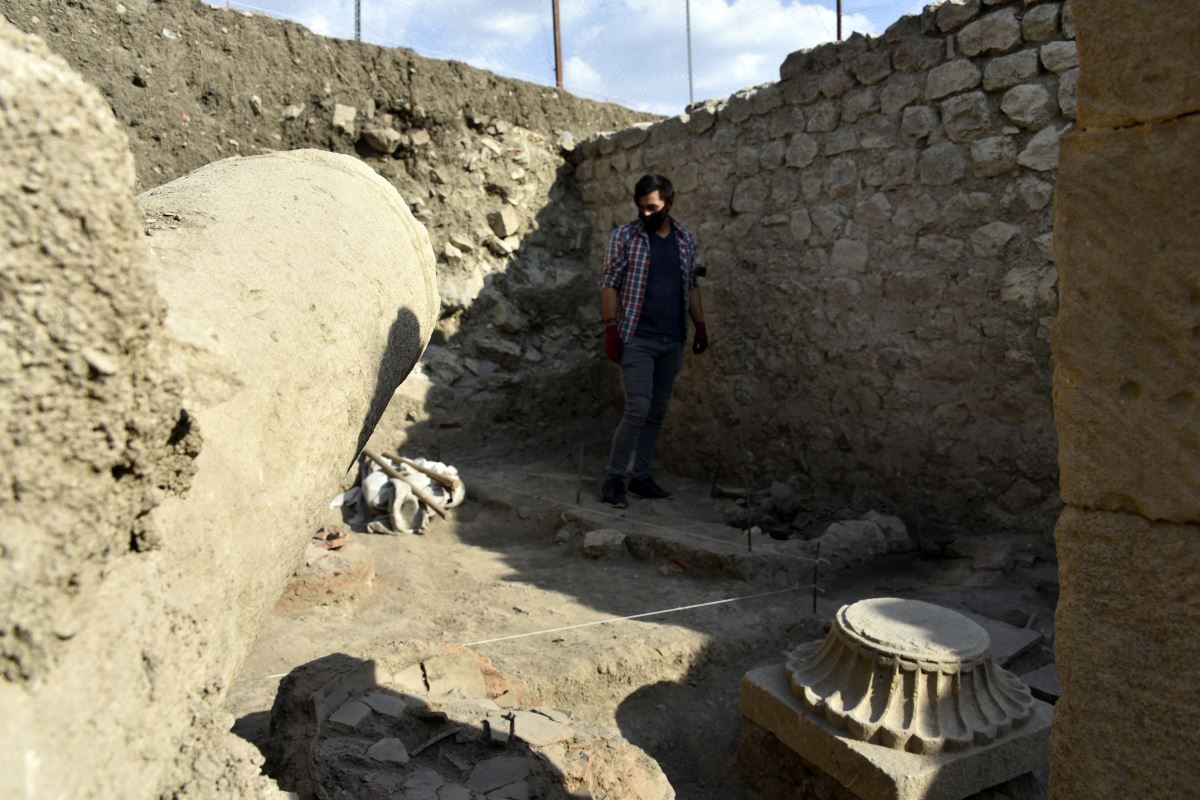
(687, 5)
(358, 21)
(839, 16)
(558, 65)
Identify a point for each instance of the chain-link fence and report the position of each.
(653, 55)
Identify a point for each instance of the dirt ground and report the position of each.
(510, 561)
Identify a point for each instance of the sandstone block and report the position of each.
(954, 76)
(1040, 23)
(1127, 391)
(1126, 611)
(382, 140)
(1041, 153)
(1140, 62)
(995, 155)
(942, 164)
(900, 90)
(997, 32)
(1003, 72)
(1058, 57)
(919, 54)
(966, 116)
(1030, 105)
(956, 13)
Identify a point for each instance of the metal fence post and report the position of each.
(358, 20)
(558, 64)
(687, 4)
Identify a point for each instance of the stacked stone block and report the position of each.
(1127, 403)
(877, 227)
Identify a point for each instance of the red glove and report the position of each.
(613, 346)
(700, 342)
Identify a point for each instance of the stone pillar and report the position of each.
(1127, 406)
(173, 409)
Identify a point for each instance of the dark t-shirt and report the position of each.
(662, 309)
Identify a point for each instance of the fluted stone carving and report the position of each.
(909, 675)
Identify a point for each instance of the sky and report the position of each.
(633, 52)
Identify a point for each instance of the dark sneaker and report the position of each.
(646, 488)
(613, 492)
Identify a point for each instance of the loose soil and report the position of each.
(510, 561)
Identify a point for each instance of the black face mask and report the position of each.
(652, 222)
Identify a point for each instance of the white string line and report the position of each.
(769, 552)
(634, 616)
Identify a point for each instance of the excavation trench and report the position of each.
(511, 563)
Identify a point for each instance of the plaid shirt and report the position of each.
(627, 267)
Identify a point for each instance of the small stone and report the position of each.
(633, 135)
(513, 791)
(985, 552)
(462, 242)
(352, 714)
(1060, 56)
(966, 116)
(424, 782)
(390, 751)
(994, 156)
(852, 541)
(101, 363)
(293, 111)
(849, 254)
(872, 67)
(918, 123)
(1041, 153)
(539, 730)
(1034, 193)
(1040, 23)
(1067, 89)
(603, 543)
(1029, 287)
(382, 140)
(801, 151)
(894, 529)
(955, 13)
(900, 90)
(451, 252)
(504, 222)
(1029, 105)
(456, 674)
(1006, 71)
(919, 54)
(951, 78)
(419, 138)
(343, 118)
(524, 512)
(170, 35)
(387, 704)
(497, 772)
(1044, 683)
(454, 791)
(989, 240)
(942, 164)
(997, 32)
(256, 104)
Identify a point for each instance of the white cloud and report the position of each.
(580, 76)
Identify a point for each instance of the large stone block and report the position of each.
(1127, 339)
(1128, 722)
(997, 32)
(152, 383)
(1139, 61)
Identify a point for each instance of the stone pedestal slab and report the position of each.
(874, 772)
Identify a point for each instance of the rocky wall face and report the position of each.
(877, 230)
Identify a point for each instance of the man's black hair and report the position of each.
(654, 183)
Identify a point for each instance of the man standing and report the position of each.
(647, 291)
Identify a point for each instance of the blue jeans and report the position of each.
(648, 369)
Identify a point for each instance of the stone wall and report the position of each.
(1127, 404)
(876, 226)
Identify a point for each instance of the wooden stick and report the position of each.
(422, 495)
(444, 480)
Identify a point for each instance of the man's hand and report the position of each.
(700, 342)
(613, 346)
